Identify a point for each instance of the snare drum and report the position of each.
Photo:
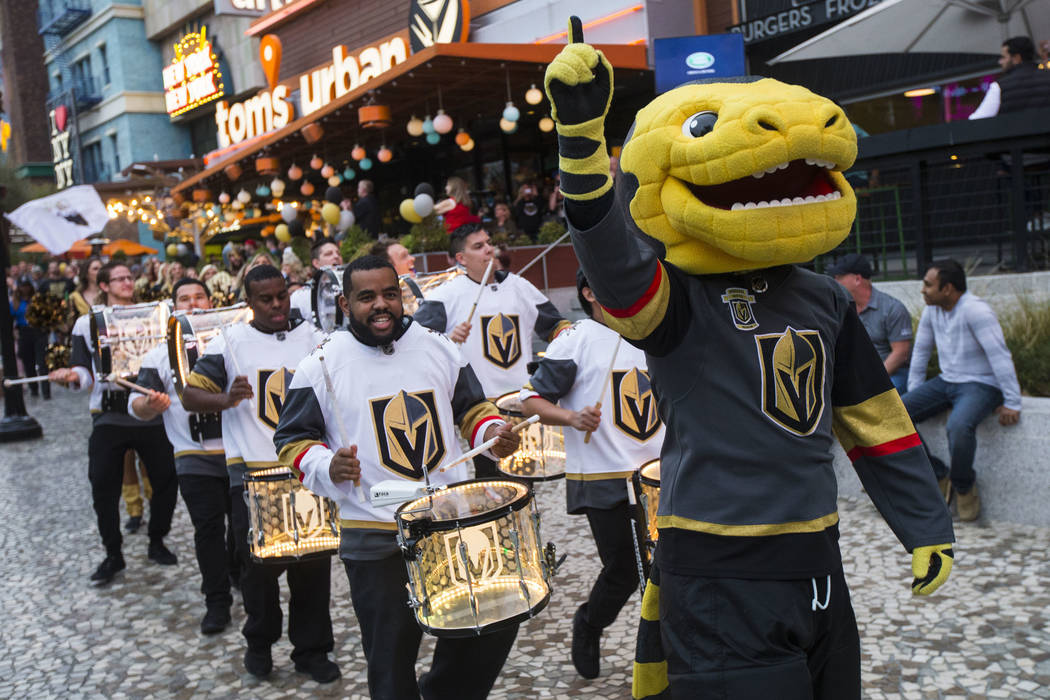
(541, 455)
(189, 333)
(474, 558)
(124, 335)
(286, 521)
(646, 484)
(324, 299)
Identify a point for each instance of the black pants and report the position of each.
(106, 448)
(462, 669)
(735, 638)
(618, 578)
(309, 582)
(32, 344)
(207, 499)
(485, 468)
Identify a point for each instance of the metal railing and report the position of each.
(60, 17)
(87, 92)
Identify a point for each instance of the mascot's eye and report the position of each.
(700, 124)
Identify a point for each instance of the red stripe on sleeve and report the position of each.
(887, 448)
(299, 458)
(483, 421)
(637, 306)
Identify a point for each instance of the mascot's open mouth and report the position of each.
(787, 184)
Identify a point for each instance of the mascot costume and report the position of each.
(758, 364)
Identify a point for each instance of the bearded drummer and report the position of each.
(417, 390)
(267, 351)
(570, 379)
(323, 254)
(508, 309)
(200, 464)
(113, 433)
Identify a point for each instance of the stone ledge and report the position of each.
(1011, 464)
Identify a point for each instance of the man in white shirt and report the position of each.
(323, 254)
(977, 376)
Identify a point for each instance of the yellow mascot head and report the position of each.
(739, 175)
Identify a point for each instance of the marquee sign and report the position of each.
(193, 78)
(62, 154)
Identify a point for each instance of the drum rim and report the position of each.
(514, 414)
(460, 632)
(249, 476)
(431, 525)
(519, 477)
(175, 329)
(648, 480)
(291, 558)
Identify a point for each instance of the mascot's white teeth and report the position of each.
(781, 166)
(787, 202)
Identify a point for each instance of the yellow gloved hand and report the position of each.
(930, 565)
(579, 84)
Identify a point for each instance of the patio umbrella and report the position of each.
(129, 248)
(80, 249)
(928, 26)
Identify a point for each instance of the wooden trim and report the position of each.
(482, 7)
(700, 17)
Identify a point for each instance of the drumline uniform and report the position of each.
(111, 438)
(496, 347)
(200, 465)
(300, 299)
(572, 373)
(421, 383)
(268, 360)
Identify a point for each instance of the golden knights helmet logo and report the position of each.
(407, 433)
(271, 389)
(473, 553)
(501, 340)
(739, 302)
(792, 379)
(634, 406)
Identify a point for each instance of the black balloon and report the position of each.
(296, 228)
(333, 195)
(424, 188)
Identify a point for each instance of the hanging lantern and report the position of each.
(335, 180)
(224, 198)
(442, 122)
(468, 146)
(428, 125)
(511, 113)
(295, 172)
(327, 171)
(262, 191)
(508, 126)
(233, 171)
(237, 205)
(365, 163)
(414, 126)
(277, 187)
(385, 154)
(243, 197)
(306, 189)
(433, 138)
(348, 173)
(312, 133)
(267, 166)
(316, 162)
(358, 152)
(546, 124)
(462, 137)
(374, 116)
(534, 95)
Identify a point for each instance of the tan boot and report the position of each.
(968, 504)
(945, 485)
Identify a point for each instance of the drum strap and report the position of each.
(114, 401)
(205, 426)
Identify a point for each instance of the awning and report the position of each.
(472, 78)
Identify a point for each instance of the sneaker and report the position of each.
(319, 668)
(258, 663)
(968, 504)
(133, 524)
(945, 485)
(110, 567)
(586, 647)
(160, 554)
(215, 620)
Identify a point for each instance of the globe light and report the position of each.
(468, 146)
(428, 125)
(511, 113)
(414, 126)
(546, 124)
(433, 138)
(508, 126)
(365, 163)
(534, 95)
(442, 122)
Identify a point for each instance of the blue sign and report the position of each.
(687, 58)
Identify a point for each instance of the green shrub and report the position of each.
(429, 235)
(550, 231)
(1027, 332)
(301, 248)
(355, 243)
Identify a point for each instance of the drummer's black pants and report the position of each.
(462, 669)
(486, 468)
(309, 583)
(106, 448)
(618, 578)
(207, 499)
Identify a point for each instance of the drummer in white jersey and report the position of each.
(267, 351)
(573, 374)
(398, 385)
(322, 254)
(509, 309)
(199, 463)
(113, 433)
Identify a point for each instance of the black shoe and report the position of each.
(319, 668)
(215, 620)
(160, 554)
(110, 567)
(133, 524)
(586, 647)
(258, 663)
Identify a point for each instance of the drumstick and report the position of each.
(484, 281)
(26, 380)
(488, 444)
(339, 424)
(130, 385)
(608, 379)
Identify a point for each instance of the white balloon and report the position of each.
(289, 214)
(423, 204)
(346, 220)
(182, 248)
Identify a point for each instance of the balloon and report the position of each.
(346, 220)
(365, 163)
(433, 138)
(424, 188)
(333, 195)
(289, 214)
(181, 249)
(330, 213)
(172, 250)
(423, 204)
(408, 212)
(282, 233)
(296, 228)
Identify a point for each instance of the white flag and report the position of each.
(60, 220)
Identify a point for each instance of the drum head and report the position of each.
(465, 503)
(324, 299)
(124, 335)
(190, 332)
(650, 473)
(510, 405)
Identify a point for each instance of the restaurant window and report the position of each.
(921, 106)
(94, 166)
(113, 145)
(103, 63)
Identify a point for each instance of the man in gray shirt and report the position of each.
(886, 320)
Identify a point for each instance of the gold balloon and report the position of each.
(172, 250)
(408, 211)
(330, 213)
(282, 233)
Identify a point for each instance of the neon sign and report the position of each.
(193, 78)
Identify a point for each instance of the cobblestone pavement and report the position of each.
(984, 636)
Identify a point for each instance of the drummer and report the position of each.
(324, 253)
(199, 463)
(417, 390)
(572, 373)
(113, 433)
(507, 310)
(267, 351)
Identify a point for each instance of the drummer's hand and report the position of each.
(508, 440)
(158, 402)
(345, 465)
(64, 376)
(240, 390)
(587, 419)
(459, 333)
